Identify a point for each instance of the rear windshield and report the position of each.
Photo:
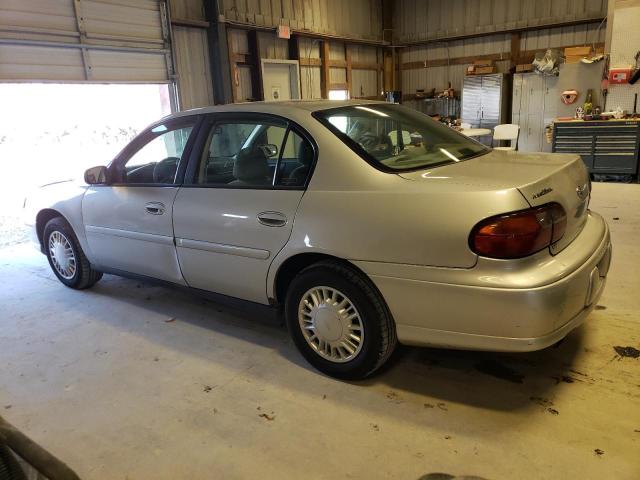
(395, 138)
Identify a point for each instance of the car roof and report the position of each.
(278, 107)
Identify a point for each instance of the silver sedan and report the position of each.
(366, 223)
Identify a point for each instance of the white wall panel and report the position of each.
(238, 41)
(363, 53)
(310, 82)
(417, 20)
(337, 75)
(364, 83)
(309, 48)
(187, 9)
(272, 47)
(244, 88)
(195, 87)
(358, 19)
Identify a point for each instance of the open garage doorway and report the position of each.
(52, 132)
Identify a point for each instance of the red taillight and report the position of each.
(518, 234)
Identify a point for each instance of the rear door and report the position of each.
(236, 209)
(128, 222)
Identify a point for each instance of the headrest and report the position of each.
(305, 153)
(251, 165)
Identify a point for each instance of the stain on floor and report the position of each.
(629, 352)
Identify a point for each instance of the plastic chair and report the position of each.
(507, 131)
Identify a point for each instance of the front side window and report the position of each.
(254, 154)
(158, 159)
(396, 138)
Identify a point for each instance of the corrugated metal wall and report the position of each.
(416, 20)
(191, 51)
(358, 19)
(84, 41)
(310, 76)
(364, 82)
(438, 77)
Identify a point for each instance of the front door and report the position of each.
(128, 222)
(237, 211)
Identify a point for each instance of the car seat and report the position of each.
(305, 157)
(251, 168)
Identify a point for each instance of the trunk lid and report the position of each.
(540, 177)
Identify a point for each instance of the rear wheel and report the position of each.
(66, 258)
(339, 321)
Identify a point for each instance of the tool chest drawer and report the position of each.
(605, 146)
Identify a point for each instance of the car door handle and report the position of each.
(272, 219)
(155, 208)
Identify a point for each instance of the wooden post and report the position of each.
(324, 72)
(256, 66)
(347, 53)
(515, 49)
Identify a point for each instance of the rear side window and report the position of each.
(395, 138)
(254, 154)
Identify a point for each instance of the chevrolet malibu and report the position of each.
(366, 223)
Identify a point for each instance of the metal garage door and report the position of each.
(114, 41)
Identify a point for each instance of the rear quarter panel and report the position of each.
(355, 212)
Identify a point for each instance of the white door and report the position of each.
(128, 222)
(236, 212)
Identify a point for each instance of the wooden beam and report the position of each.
(524, 56)
(233, 68)
(465, 36)
(347, 54)
(218, 52)
(316, 62)
(256, 69)
(339, 86)
(294, 47)
(515, 49)
(443, 62)
(186, 22)
(527, 56)
(324, 71)
(310, 62)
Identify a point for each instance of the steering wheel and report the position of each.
(165, 170)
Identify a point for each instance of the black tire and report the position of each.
(84, 276)
(379, 338)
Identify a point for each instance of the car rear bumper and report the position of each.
(509, 317)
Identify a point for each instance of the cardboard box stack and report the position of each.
(481, 67)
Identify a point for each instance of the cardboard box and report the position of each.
(483, 62)
(526, 67)
(484, 70)
(471, 69)
(577, 51)
(573, 58)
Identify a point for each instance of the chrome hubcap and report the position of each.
(62, 256)
(330, 324)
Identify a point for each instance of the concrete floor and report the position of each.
(135, 381)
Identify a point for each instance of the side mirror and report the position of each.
(270, 150)
(96, 175)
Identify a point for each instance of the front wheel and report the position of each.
(66, 258)
(339, 321)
